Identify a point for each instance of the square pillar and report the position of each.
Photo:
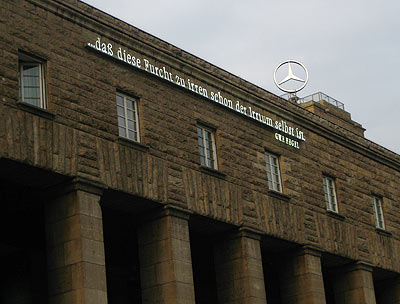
(239, 270)
(301, 280)
(75, 247)
(165, 259)
(354, 284)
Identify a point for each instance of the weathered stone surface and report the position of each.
(165, 261)
(81, 140)
(354, 284)
(302, 280)
(75, 249)
(239, 270)
(77, 136)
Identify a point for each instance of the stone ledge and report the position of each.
(132, 144)
(35, 110)
(213, 172)
(279, 195)
(335, 215)
(383, 232)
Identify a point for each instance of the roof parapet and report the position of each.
(328, 108)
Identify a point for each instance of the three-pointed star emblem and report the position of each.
(291, 76)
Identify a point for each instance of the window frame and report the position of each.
(330, 197)
(125, 126)
(210, 162)
(377, 204)
(25, 60)
(274, 184)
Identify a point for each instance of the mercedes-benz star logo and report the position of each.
(291, 76)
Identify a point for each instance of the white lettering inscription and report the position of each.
(284, 132)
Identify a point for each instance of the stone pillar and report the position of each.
(239, 270)
(390, 293)
(301, 280)
(165, 258)
(75, 248)
(354, 284)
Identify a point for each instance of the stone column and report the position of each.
(75, 248)
(354, 284)
(301, 280)
(165, 258)
(239, 270)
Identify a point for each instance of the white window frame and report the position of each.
(126, 120)
(330, 194)
(377, 203)
(26, 60)
(273, 172)
(207, 148)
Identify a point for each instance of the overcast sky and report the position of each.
(350, 47)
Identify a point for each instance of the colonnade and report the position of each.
(77, 270)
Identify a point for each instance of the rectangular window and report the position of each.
(273, 172)
(378, 212)
(128, 122)
(330, 194)
(31, 81)
(207, 150)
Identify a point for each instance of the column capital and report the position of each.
(308, 250)
(173, 210)
(242, 231)
(76, 184)
(360, 265)
(250, 233)
(167, 210)
(88, 185)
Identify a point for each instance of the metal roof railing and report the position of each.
(290, 96)
(319, 96)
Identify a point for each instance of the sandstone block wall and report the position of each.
(77, 135)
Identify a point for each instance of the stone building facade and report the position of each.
(134, 172)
